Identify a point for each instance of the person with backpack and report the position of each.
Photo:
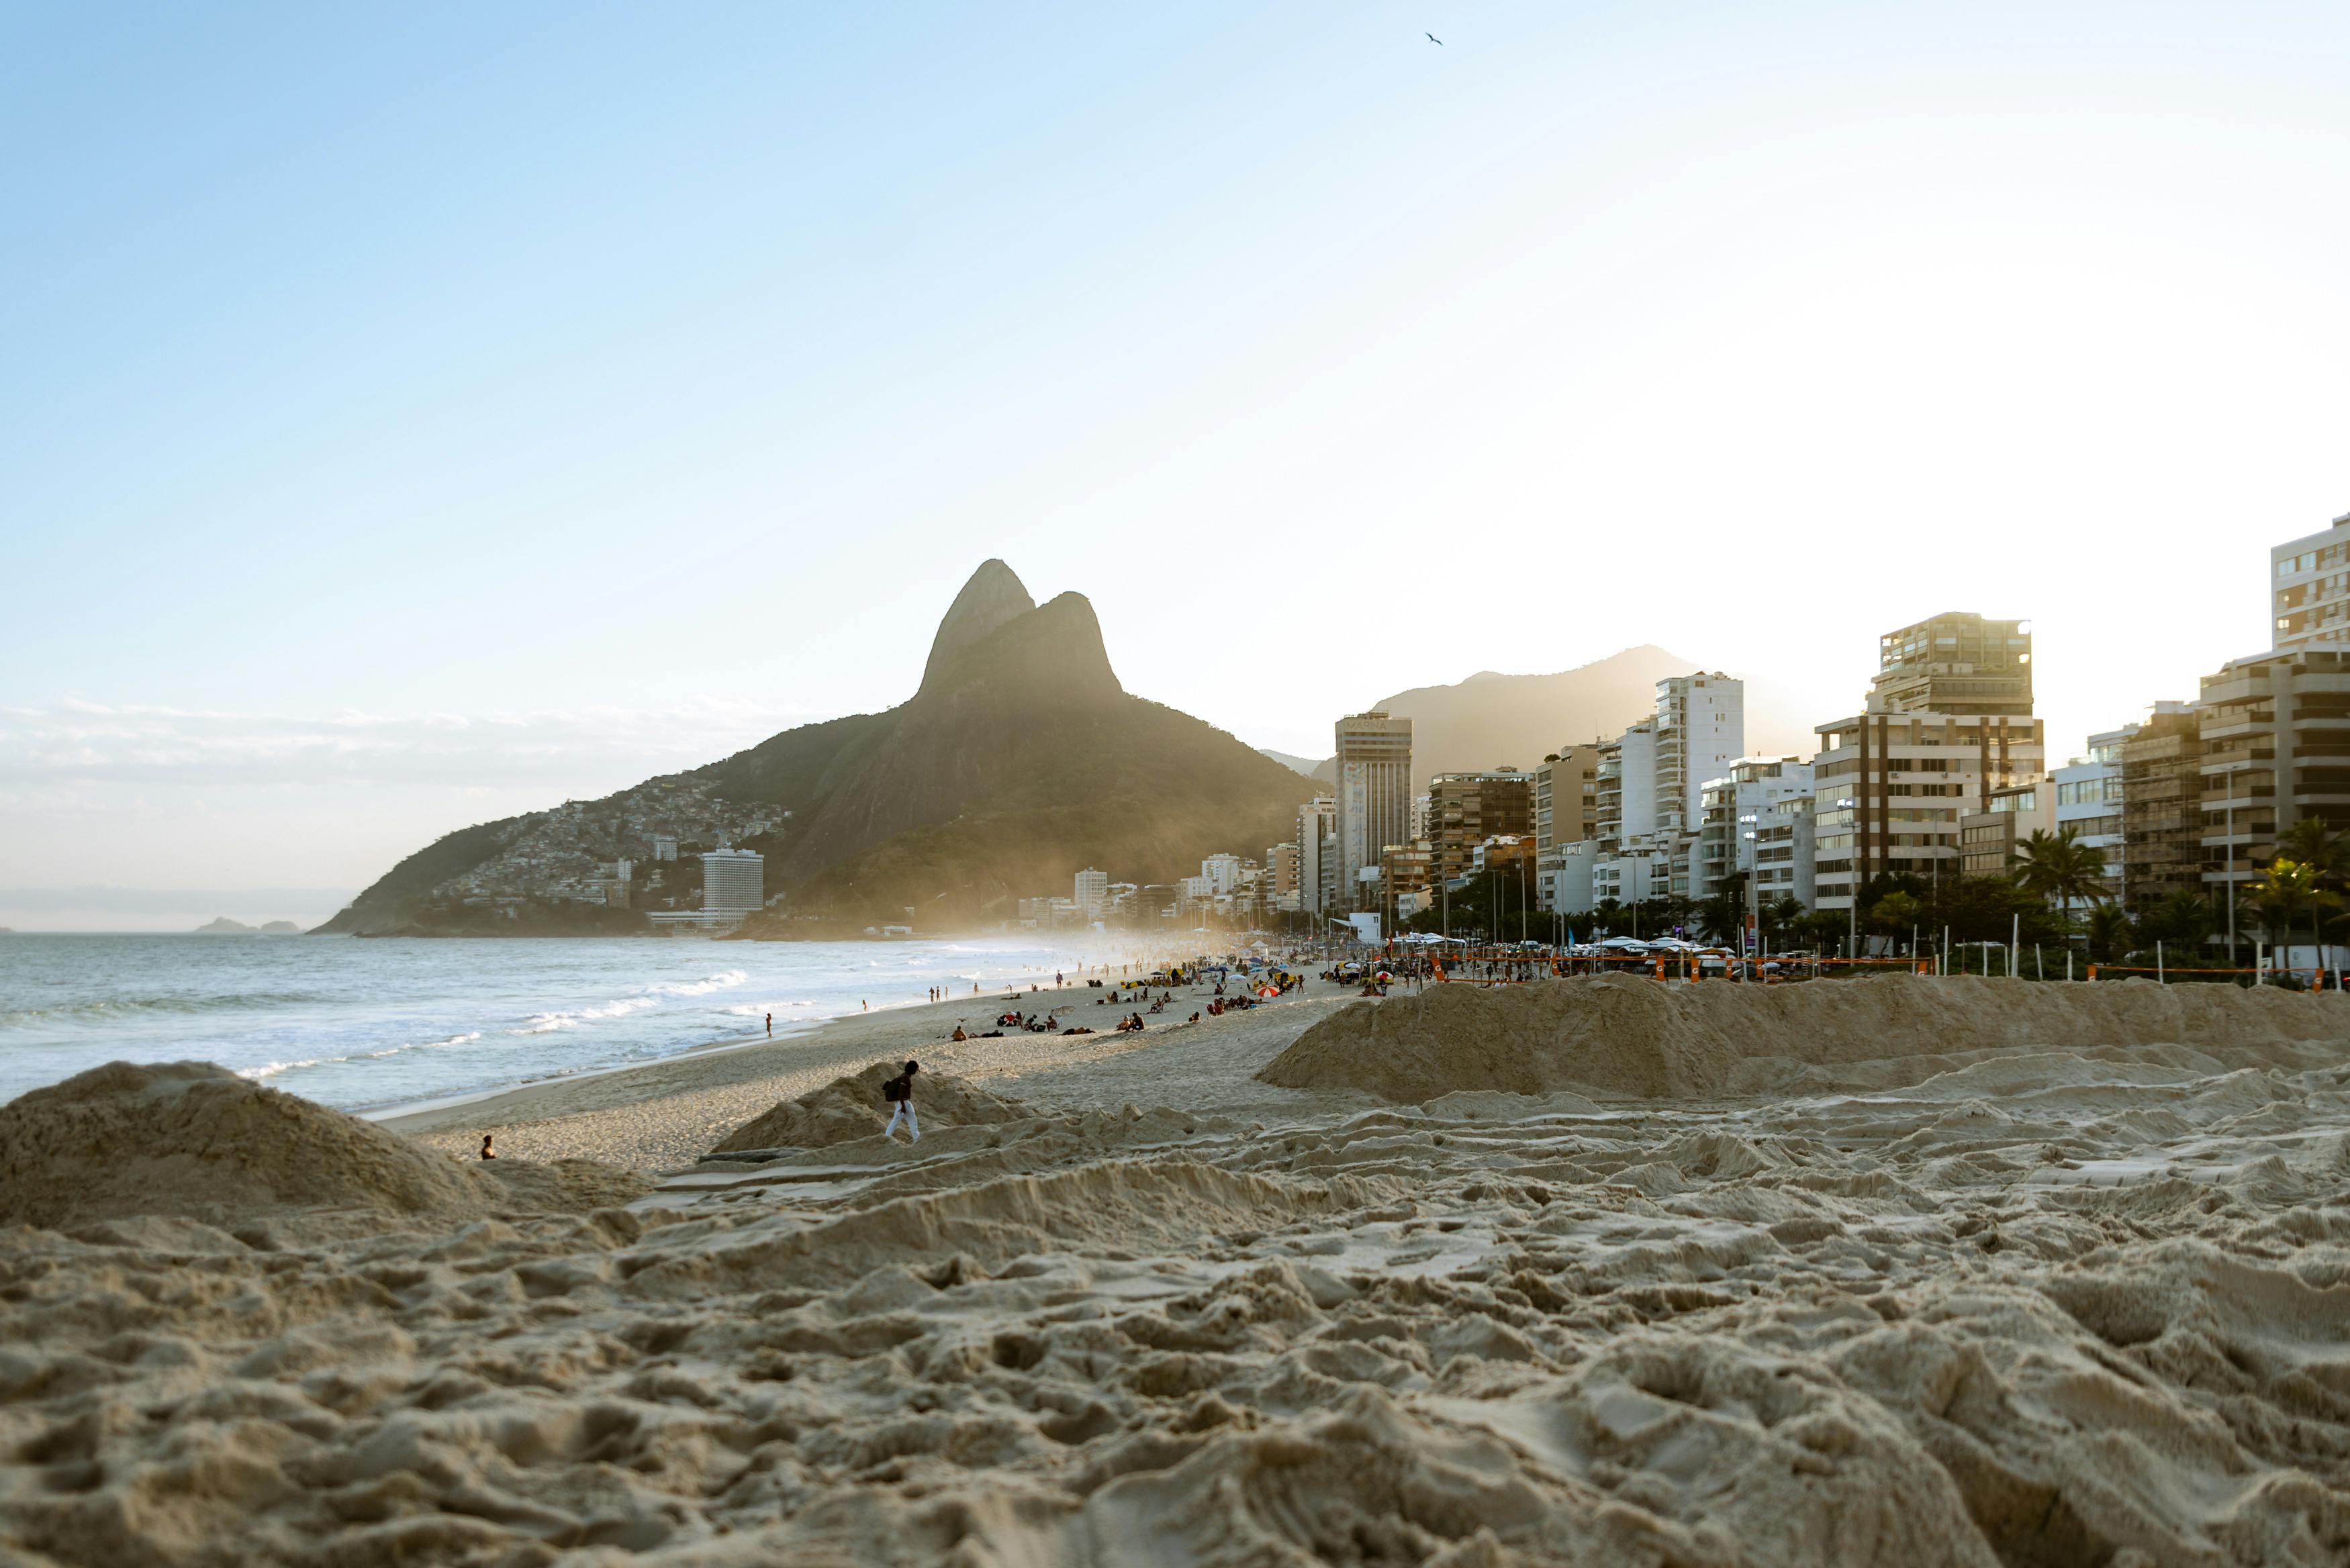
(900, 1091)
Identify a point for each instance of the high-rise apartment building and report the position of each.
(1566, 797)
(2089, 802)
(1092, 894)
(1700, 730)
(1650, 780)
(2162, 805)
(2275, 734)
(1735, 807)
(1989, 837)
(1374, 774)
(1317, 854)
(2308, 587)
(1281, 869)
(1405, 871)
(733, 882)
(1783, 853)
(1466, 809)
(1955, 663)
(1948, 722)
(1626, 792)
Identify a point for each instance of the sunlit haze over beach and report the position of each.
(418, 419)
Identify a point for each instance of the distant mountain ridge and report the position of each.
(1491, 719)
(1019, 760)
(1306, 765)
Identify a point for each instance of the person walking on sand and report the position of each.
(771, 1026)
(900, 1091)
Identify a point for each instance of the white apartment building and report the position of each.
(1092, 894)
(2309, 590)
(1631, 876)
(1222, 872)
(1564, 877)
(1626, 805)
(1735, 808)
(1700, 730)
(1782, 851)
(734, 882)
(2089, 802)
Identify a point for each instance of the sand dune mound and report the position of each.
(195, 1141)
(850, 1108)
(1128, 1204)
(1629, 1036)
(1971, 1323)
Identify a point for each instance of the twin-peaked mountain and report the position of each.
(1020, 761)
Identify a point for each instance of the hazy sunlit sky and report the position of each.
(411, 415)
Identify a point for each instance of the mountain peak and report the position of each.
(1054, 650)
(993, 595)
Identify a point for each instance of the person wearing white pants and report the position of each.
(900, 1091)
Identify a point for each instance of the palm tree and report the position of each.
(2059, 868)
(2180, 916)
(2288, 888)
(1722, 917)
(1780, 915)
(1896, 914)
(2109, 932)
(2313, 841)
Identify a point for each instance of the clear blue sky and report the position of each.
(414, 414)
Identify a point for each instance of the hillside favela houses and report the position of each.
(1941, 777)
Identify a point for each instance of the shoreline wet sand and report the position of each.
(662, 1116)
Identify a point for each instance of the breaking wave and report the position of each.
(269, 1070)
(102, 1008)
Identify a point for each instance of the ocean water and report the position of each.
(363, 1024)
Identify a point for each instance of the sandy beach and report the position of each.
(1963, 1272)
(668, 1114)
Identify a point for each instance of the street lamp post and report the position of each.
(2231, 866)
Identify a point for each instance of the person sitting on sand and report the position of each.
(487, 1152)
(900, 1091)
(959, 1034)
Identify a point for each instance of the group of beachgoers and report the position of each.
(1259, 982)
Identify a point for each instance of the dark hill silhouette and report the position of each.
(1020, 761)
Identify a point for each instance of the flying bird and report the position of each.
(1433, 39)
